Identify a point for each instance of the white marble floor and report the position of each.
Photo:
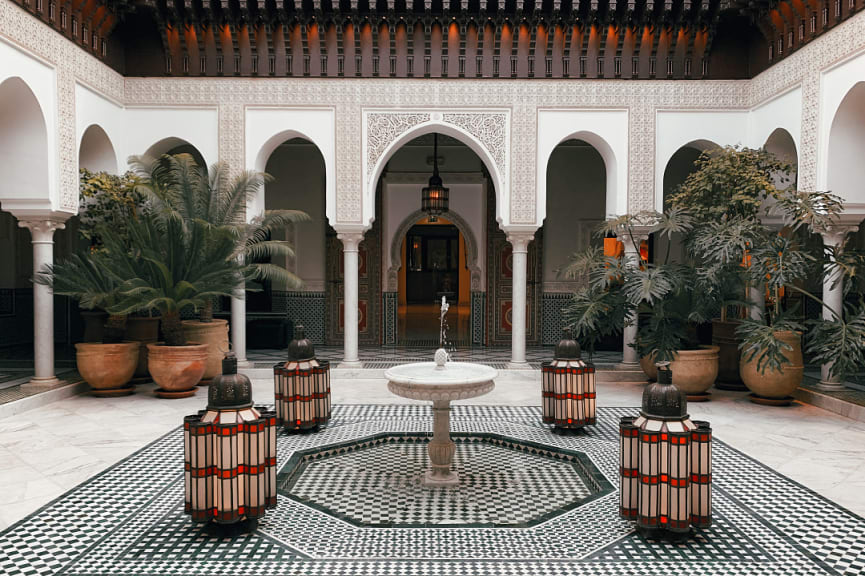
(48, 450)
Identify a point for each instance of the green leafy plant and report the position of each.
(179, 187)
(106, 200)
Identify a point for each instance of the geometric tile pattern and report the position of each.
(478, 321)
(552, 317)
(379, 483)
(128, 520)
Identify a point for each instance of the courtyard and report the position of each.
(441, 288)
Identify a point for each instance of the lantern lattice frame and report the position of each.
(568, 389)
(665, 469)
(230, 464)
(302, 393)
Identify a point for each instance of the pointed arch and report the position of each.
(24, 157)
(96, 151)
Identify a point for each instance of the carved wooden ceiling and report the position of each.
(679, 39)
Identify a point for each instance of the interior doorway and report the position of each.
(435, 267)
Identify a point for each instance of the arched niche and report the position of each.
(297, 182)
(96, 152)
(419, 215)
(846, 168)
(577, 190)
(603, 149)
(781, 144)
(681, 164)
(430, 127)
(23, 145)
(173, 145)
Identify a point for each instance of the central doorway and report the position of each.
(435, 267)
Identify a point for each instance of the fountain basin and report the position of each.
(441, 383)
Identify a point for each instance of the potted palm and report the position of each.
(670, 298)
(177, 186)
(107, 366)
(170, 265)
(730, 185)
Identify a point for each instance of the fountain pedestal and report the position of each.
(441, 383)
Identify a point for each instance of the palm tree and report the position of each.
(83, 277)
(178, 186)
(169, 264)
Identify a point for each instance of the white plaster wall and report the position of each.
(146, 126)
(92, 108)
(840, 166)
(606, 130)
(267, 128)
(401, 199)
(674, 129)
(784, 111)
(41, 79)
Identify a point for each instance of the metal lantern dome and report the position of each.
(568, 387)
(434, 197)
(302, 386)
(665, 462)
(230, 453)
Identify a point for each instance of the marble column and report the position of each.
(833, 297)
(238, 329)
(630, 358)
(520, 242)
(350, 242)
(42, 237)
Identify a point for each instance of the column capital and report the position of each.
(836, 234)
(350, 240)
(42, 229)
(520, 240)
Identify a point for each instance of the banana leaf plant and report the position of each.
(178, 187)
(671, 298)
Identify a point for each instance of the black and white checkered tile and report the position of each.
(381, 485)
(129, 519)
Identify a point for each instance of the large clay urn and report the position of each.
(215, 335)
(176, 369)
(694, 371)
(107, 368)
(144, 330)
(724, 336)
(775, 387)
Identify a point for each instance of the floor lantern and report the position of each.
(230, 454)
(302, 386)
(568, 387)
(665, 463)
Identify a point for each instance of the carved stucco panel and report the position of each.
(382, 128)
(232, 129)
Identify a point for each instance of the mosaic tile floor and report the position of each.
(129, 519)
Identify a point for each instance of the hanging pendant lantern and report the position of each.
(434, 198)
(665, 463)
(230, 453)
(568, 387)
(302, 386)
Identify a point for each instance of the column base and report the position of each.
(830, 386)
(628, 366)
(519, 366)
(352, 365)
(433, 480)
(244, 363)
(36, 383)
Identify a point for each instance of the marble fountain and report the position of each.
(441, 382)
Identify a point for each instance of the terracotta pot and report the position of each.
(144, 330)
(107, 368)
(694, 371)
(176, 369)
(94, 324)
(724, 336)
(647, 363)
(776, 386)
(215, 335)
